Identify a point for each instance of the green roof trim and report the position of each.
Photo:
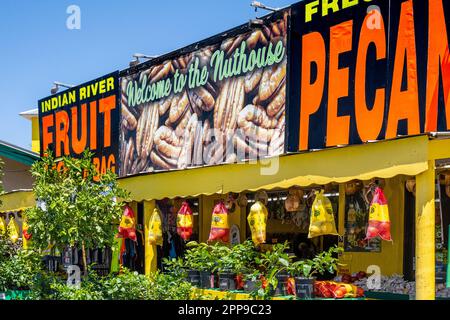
(17, 153)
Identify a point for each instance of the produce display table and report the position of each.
(240, 295)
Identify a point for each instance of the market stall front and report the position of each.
(395, 161)
(280, 108)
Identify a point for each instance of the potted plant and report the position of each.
(227, 265)
(275, 263)
(326, 263)
(177, 268)
(234, 263)
(199, 259)
(304, 281)
(241, 262)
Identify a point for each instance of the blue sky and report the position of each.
(37, 48)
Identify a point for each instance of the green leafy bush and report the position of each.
(199, 257)
(18, 267)
(127, 286)
(169, 287)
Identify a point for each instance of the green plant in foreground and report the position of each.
(198, 257)
(76, 205)
(327, 261)
(175, 267)
(274, 261)
(18, 267)
(127, 286)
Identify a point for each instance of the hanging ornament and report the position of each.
(350, 188)
(411, 186)
(185, 221)
(230, 203)
(127, 227)
(155, 236)
(242, 200)
(257, 220)
(292, 202)
(220, 229)
(379, 222)
(3, 227)
(262, 197)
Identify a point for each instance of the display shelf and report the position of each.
(240, 295)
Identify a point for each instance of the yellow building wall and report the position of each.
(206, 208)
(390, 259)
(35, 146)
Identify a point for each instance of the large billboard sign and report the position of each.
(223, 102)
(84, 117)
(320, 74)
(367, 70)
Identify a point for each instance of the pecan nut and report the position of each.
(256, 124)
(228, 105)
(178, 107)
(129, 119)
(127, 156)
(166, 149)
(203, 98)
(252, 80)
(185, 158)
(160, 71)
(272, 80)
(231, 44)
(145, 131)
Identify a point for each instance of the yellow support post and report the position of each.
(425, 234)
(341, 210)
(150, 250)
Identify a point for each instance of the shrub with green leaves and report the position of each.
(169, 287)
(75, 205)
(199, 257)
(127, 286)
(18, 267)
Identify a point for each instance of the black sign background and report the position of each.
(100, 151)
(378, 73)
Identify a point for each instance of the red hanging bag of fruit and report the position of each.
(127, 227)
(379, 222)
(220, 229)
(184, 221)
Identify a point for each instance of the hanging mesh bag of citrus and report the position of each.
(155, 236)
(379, 222)
(13, 230)
(220, 229)
(322, 217)
(127, 227)
(257, 220)
(2, 227)
(184, 221)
